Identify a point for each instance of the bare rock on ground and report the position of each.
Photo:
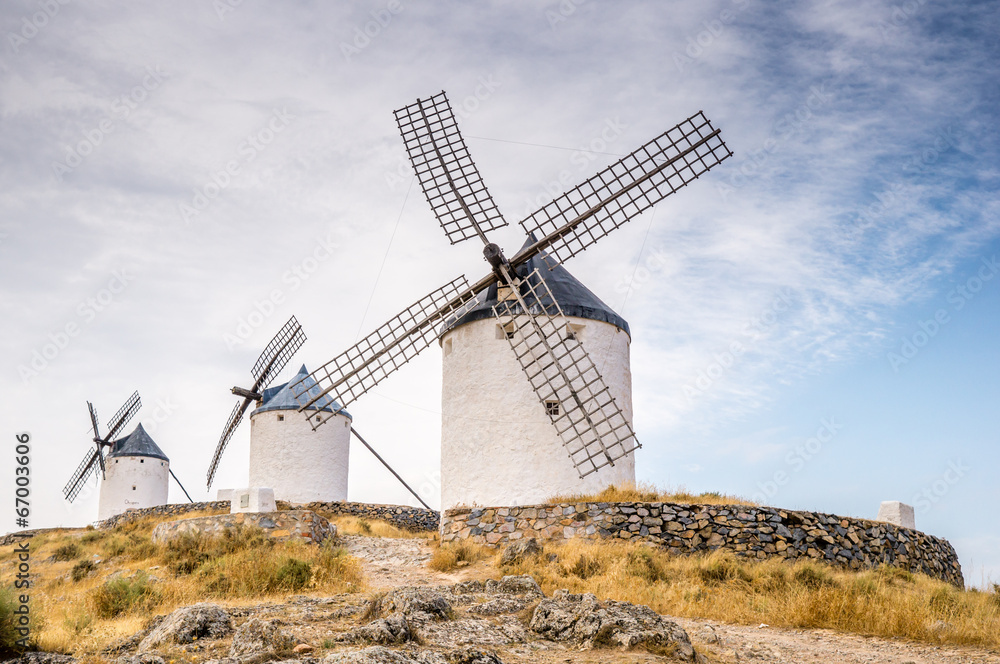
(588, 622)
(519, 550)
(384, 631)
(500, 606)
(258, 640)
(514, 585)
(37, 657)
(418, 603)
(199, 621)
(382, 655)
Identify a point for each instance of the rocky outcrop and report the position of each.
(394, 629)
(519, 550)
(583, 620)
(185, 625)
(287, 525)
(756, 532)
(258, 640)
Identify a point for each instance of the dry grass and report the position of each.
(885, 602)
(648, 493)
(352, 525)
(453, 555)
(81, 610)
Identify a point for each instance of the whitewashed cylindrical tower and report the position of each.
(137, 475)
(286, 455)
(498, 445)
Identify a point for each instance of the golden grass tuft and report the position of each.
(453, 555)
(352, 525)
(648, 493)
(885, 602)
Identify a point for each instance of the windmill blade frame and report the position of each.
(444, 168)
(277, 354)
(373, 359)
(93, 420)
(121, 418)
(579, 218)
(234, 421)
(82, 473)
(594, 430)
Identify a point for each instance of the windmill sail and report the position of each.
(594, 430)
(374, 358)
(582, 216)
(443, 166)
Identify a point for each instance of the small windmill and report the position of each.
(276, 355)
(592, 427)
(299, 468)
(95, 457)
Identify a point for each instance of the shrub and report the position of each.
(123, 596)
(722, 568)
(293, 574)
(8, 622)
(68, 551)
(813, 577)
(643, 564)
(944, 601)
(93, 536)
(82, 569)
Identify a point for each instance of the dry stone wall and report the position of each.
(162, 510)
(401, 516)
(756, 532)
(279, 526)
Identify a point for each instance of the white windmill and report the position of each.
(590, 416)
(135, 472)
(289, 455)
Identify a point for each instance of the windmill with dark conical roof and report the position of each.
(538, 310)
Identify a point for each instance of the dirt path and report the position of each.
(403, 562)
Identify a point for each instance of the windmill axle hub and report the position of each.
(247, 394)
(494, 256)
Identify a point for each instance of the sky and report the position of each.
(813, 322)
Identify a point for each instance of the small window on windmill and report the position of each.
(319, 418)
(142, 461)
(281, 418)
(552, 408)
(574, 332)
(133, 487)
(505, 331)
(447, 347)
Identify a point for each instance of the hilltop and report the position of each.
(380, 594)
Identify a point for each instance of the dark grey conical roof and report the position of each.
(573, 297)
(137, 443)
(282, 397)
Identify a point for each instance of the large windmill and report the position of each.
(570, 390)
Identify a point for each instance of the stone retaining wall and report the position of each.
(161, 510)
(285, 525)
(401, 516)
(757, 532)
